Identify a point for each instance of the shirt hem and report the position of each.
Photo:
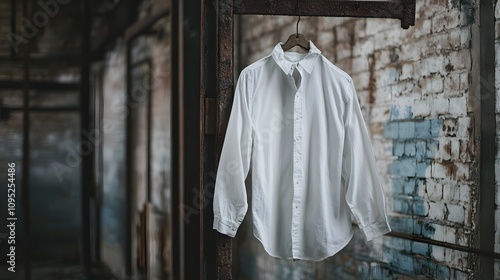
(329, 254)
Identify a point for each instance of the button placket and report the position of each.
(297, 168)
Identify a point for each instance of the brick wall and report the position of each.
(414, 87)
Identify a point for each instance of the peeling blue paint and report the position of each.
(400, 113)
(420, 207)
(421, 249)
(428, 230)
(415, 148)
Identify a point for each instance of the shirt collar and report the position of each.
(307, 62)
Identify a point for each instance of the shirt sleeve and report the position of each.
(364, 193)
(230, 197)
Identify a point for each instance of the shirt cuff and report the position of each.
(376, 230)
(225, 227)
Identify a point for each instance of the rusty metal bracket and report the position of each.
(403, 9)
(210, 122)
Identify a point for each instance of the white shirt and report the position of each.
(311, 158)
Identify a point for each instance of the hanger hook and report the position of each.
(297, 33)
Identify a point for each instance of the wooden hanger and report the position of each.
(296, 39)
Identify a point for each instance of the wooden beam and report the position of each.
(225, 85)
(403, 10)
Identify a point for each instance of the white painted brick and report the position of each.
(402, 108)
(344, 33)
(464, 193)
(463, 124)
(326, 22)
(411, 52)
(384, 95)
(458, 106)
(466, 151)
(455, 38)
(467, 221)
(497, 9)
(386, 77)
(439, 170)
(455, 258)
(438, 253)
(436, 210)
(463, 170)
(363, 47)
(421, 188)
(325, 38)
(464, 81)
(434, 190)
(406, 71)
(456, 213)
(451, 193)
(462, 238)
(375, 26)
(380, 113)
(359, 64)
(452, 85)
(343, 50)
(389, 38)
(421, 108)
(455, 149)
(431, 65)
(359, 29)
(409, 89)
(398, 89)
(450, 235)
(465, 36)
(437, 84)
(444, 149)
(422, 28)
(382, 59)
(460, 59)
(445, 21)
(439, 232)
(440, 105)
